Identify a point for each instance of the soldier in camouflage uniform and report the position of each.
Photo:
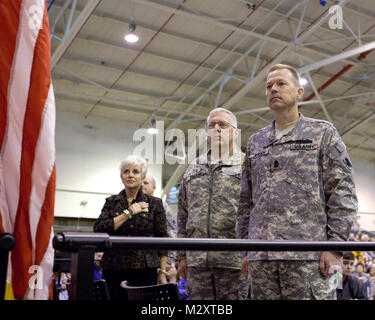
(207, 205)
(297, 184)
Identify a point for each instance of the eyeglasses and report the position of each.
(221, 124)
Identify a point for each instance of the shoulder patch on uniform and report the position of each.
(340, 147)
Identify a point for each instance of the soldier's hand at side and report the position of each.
(245, 265)
(328, 260)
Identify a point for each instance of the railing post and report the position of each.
(82, 269)
(7, 243)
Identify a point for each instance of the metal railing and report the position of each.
(7, 243)
(84, 245)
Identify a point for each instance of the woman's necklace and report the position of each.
(130, 200)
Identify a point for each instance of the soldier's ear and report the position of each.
(300, 92)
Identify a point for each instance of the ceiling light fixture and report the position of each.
(303, 82)
(131, 36)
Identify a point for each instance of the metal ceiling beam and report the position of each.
(207, 19)
(111, 105)
(136, 72)
(319, 42)
(75, 29)
(54, 22)
(339, 57)
(119, 67)
(267, 7)
(279, 58)
(181, 168)
(360, 123)
(120, 95)
(111, 44)
(359, 145)
(351, 147)
(104, 15)
(153, 54)
(227, 26)
(259, 43)
(318, 97)
(120, 90)
(110, 102)
(371, 98)
(369, 15)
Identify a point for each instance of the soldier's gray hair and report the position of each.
(234, 118)
(134, 160)
(292, 70)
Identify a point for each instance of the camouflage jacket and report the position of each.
(207, 204)
(171, 230)
(151, 224)
(299, 187)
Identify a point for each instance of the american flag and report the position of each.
(27, 146)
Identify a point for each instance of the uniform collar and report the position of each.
(296, 134)
(233, 159)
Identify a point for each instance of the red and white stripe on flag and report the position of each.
(27, 145)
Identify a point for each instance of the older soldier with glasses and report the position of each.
(297, 184)
(207, 205)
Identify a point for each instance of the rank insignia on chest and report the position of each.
(303, 146)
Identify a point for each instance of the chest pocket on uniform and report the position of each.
(260, 169)
(229, 181)
(195, 183)
(302, 166)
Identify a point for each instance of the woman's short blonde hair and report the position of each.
(133, 159)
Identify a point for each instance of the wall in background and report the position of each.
(88, 155)
(89, 151)
(364, 175)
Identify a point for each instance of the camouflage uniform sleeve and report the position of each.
(182, 216)
(105, 221)
(339, 188)
(171, 221)
(246, 202)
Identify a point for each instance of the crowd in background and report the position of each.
(364, 263)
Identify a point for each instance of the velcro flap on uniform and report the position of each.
(232, 171)
(336, 150)
(259, 154)
(340, 147)
(194, 173)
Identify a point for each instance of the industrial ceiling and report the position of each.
(195, 55)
